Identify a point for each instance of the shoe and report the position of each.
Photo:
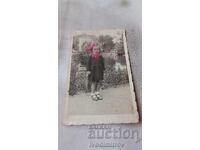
(99, 97)
(94, 97)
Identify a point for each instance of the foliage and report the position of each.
(106, 42)
(112, 78)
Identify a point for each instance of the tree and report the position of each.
(119, 47)
(106, 42)
(75, 45)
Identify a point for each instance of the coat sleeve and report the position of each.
(103, 64)
(89, 64)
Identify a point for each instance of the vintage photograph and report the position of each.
(100, 86)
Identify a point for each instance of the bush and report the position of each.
(78, 79)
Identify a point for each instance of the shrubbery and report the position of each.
(81, 48)
(78, 79)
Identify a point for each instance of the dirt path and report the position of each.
(115, 101)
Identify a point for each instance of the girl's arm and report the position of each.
(103, 64)
(89, 64)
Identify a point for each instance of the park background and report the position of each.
(112, 50)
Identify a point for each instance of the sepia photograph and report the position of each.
(100, 86)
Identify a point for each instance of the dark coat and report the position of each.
(96, 67)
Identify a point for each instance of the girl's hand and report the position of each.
(88, 72)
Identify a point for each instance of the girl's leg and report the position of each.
(98, 91)
(93, 86)
(93, 95)
(98, 86)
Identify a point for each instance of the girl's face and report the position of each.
(95, 49)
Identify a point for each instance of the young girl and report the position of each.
(96, 69)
